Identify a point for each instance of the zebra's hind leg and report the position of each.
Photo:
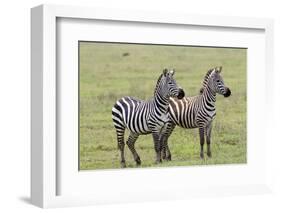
(131, 144)
(202, 141)
(208, 137)
(121, 145)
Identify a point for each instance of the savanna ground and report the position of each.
(110, 71)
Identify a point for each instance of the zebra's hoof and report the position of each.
(202, 155)
(158, 161)
(209, 154)
(138, 162)
(123, 165)
(169, 158)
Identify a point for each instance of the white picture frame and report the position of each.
(44, 84)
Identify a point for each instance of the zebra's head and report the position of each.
(217, 82)
(170, 86)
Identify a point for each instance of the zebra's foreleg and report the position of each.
(120, 139)
(163, 151)
(202, 141)
(157, 146)
(131, 144)
(166, 154)
(163, 139)
(208, 136)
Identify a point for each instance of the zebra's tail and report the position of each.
(118, 122)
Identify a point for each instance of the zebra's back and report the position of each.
(132, 113)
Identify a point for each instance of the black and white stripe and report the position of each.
(196, 112)
(144, 117)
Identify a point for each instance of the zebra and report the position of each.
(196, 112)
(144, 117)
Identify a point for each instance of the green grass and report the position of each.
(111, 71)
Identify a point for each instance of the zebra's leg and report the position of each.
(208, 136)
(120, 139)
(162, 139)
(157, 146)
(163, 152)
(166, 154)
(131, 144)
(169, 155)
(202, 141)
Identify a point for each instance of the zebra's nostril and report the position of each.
(181, 93)
(228, 93)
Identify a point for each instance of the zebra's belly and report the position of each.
(138, 127)
(201, 120)
(193, 122)
(184, 122)
(188, 125)
(133, 129)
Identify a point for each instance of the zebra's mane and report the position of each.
(157, 84)
(206, 79)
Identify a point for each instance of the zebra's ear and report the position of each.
(165, 71)
(220, 69)
(173, 71)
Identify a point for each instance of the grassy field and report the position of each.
(110, 71)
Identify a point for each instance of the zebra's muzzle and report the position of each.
(227, 93)
(181, 93)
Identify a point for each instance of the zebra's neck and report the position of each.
(209, 96)
(161, 102)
